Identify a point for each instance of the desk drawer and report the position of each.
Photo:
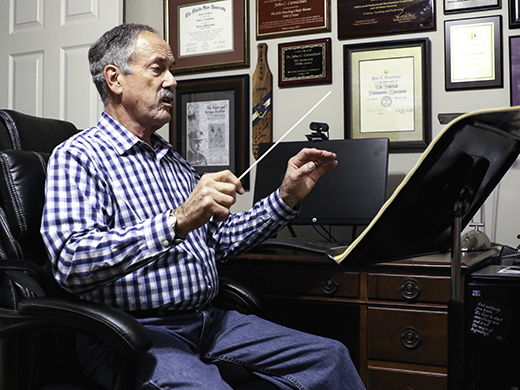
(383, 379)
(297, 281)
(409, 288)
(408, 336)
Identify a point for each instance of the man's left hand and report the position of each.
(303, 172)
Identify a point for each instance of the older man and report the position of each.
(128, 222)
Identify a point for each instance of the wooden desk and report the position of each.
(391, 316)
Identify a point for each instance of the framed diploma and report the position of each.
(473, 53)
(456, 6)
(387, 92)
(280, 18)
(514, 13)
(365, 18)
(514, 63)
(211, 124)
(208, 35)
(305, 62)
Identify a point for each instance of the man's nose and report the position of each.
(170, 81)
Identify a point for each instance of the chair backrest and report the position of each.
(25, 146)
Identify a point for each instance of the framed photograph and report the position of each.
(211, 124)
(514, 63)
(208, 35)
(275, 19)
(366, 18)
(473, 53)
(514, 13)
(456, 6)
(304, 63)
(388, 92)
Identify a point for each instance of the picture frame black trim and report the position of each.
(425, 131)
(514, 69)
(232, 88)
(514, 14)
(498, 80)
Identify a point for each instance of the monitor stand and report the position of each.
(436, 200)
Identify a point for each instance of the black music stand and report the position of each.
(436, 200)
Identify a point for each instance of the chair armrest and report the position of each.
(122, 333)
(233, 295)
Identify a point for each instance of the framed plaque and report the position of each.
(514, 13)
(514, 63)
(365, 18)
(305, 62)
(473, 53)
(456, 6)
(387, 92)
(211, 122)
(275, 18)
(208, 35)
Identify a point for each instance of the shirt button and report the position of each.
(166, 243)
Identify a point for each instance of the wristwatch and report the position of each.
(172, 220)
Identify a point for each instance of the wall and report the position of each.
(501, 213)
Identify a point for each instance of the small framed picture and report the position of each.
(473, 53)
(211, 124)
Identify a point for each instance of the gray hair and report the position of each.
(115, 47)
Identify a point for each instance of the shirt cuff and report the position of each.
(280, 210)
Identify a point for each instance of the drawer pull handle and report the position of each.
(410, 338)
(329, 286)
(410, 289)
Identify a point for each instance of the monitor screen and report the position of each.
(350, 194)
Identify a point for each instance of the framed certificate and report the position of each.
(473, 53)
(208, 34)
(211, 122)
(456, 6)
(387, 92)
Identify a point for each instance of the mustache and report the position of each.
(167, 94)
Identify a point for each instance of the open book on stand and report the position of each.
(458, 171)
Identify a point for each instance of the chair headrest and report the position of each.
(27, 132)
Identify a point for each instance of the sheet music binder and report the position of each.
(462, 165)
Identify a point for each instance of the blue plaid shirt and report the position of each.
(105, 223)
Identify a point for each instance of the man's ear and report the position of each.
(112, 74)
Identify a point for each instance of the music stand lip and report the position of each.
(472, 153)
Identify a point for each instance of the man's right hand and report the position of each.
(212, 197)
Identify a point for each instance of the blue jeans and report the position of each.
(184, 346)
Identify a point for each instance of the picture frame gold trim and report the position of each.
(460, 51)
(383, 98)
(234, 90)
(236, 54)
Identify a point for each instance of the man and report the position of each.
(195, 157)
(128, 222)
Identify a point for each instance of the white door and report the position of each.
(43, 56)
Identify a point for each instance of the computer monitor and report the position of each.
(350, 194)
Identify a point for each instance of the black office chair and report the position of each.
(39, 320)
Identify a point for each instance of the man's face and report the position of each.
(148, 91)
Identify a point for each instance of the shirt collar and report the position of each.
(123, 139)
